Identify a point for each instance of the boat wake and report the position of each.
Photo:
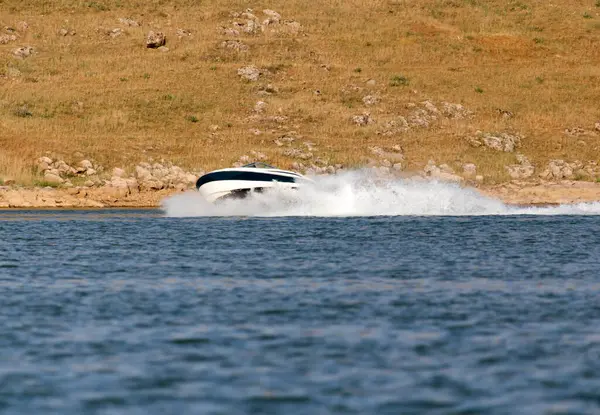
(360, 193)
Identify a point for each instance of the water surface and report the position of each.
(132, 312)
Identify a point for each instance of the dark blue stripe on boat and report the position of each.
(242, 175)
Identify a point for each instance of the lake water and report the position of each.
(136, 312)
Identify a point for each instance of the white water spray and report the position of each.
(360, 193)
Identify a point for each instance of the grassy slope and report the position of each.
(539, 60)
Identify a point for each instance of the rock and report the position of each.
(469, 169)
(151, 185)
(479, 179)
(86, 164)
(369, 100)
(183, 33)
(575, 131)
(597, 126)
(517, 171)
(44, 163)
(443, 172)
(116, 32)
(128, 22)
(297, 153)
(235, 45)
(23, 52)
(53, 178)
(397, 166)
(89, 183)
(260, 106)
(155, 40)
(66, 32)
(272, 17)
(455, 111)
(64, 169)
(496, 141)
(22, 26)
(396, 126)
(162, 49)
(117, 172)
(8, 181)
(267, 89)
(504, 113)
(363, 119)
(371, 82)
(90, 172)
(249, 73)
(5, 39)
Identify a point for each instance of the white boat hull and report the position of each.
(241, 181)
(238, 188)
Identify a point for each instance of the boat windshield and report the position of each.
(259, 165)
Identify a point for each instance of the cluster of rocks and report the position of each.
(248, 23)
(12, 34)
(442, 172)
(580, 131)
(523, 169)
(362, 119)
(424, 115)
(504, 141)
(235, 45)
(387, 159)
(145, 176)
(560, 170)
(64, 31)
(59, 172)
(159, 176)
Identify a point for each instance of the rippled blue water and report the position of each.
(129, 312)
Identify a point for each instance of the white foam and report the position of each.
(360, 193)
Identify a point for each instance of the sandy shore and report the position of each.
(513, 193)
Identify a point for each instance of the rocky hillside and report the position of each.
(487, 91)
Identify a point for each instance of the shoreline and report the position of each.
(515, 193)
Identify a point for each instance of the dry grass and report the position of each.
(120, 103)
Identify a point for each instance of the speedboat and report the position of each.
(240, 182)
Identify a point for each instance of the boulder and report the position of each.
(272, 17)
(23, 52)
(86, 164)
(249, 73)
(53, 178)
(363, 119)
(117, 172)
(155, 40)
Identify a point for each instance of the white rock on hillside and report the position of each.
(250, 73)
(523, 170)
(506, 142)
(155, 39)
